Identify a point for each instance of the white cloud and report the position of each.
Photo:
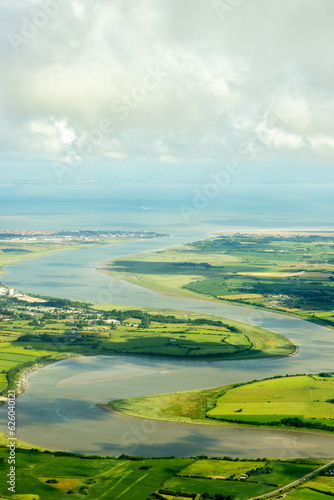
(187, 84)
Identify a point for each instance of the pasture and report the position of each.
(222, 469)
(239, 490)
(291, 273)
(309, 398)
(306, 494)
(28, 334)
(302, 402)
(59, 476)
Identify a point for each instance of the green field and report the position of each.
(95, 478)
(291, 273)
(238, 490)
(222, 469)
(125, 478)
(185, 407)
(324, 484)
(307, 494)
(302, 402)
(72, 467)
(308, 398)
(29, 332)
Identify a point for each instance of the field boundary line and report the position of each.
(295, 483)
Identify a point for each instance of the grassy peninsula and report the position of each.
(35, 331)
(303, 402)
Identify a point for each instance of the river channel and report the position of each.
(58, 409)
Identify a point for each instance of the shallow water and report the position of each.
(58, 409)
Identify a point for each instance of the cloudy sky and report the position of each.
(167, 80)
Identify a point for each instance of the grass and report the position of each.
(324, 484)
(291, 274)
(101, 478)
(138, 478)
(76, 467)
(26, 339)
(239, 490)
(184, 340)
(185, 407)
(307, 494)
(222, 469)
(130, 481)
(23, 445)
(283, 473)
(306, 398)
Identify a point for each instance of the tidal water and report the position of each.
(58, 410)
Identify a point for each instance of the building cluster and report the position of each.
(71, 237)
(7, 291)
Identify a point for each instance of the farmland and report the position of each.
(57, 475)
(307, 398)
(289, 273)
(300, 402)
(41, 332)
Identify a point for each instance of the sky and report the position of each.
(166, 82)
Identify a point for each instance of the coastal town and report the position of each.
(72, 237)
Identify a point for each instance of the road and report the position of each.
(295, 483)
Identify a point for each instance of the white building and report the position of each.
(7, 291)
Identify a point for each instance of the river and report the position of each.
(58, 409)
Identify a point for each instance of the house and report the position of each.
(112, 322)
(244, 476)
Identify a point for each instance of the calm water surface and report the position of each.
(59, 409)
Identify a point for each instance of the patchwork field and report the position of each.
(301, 402)
(56, 475)
(237, 490)
(222, 469)
(307, 494)
(309, 398)
(291, 273)
(30, 333)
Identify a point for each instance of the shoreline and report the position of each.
(238, 426)
(107, 272)
(22, 380)
(67, 248)
(108, 409)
